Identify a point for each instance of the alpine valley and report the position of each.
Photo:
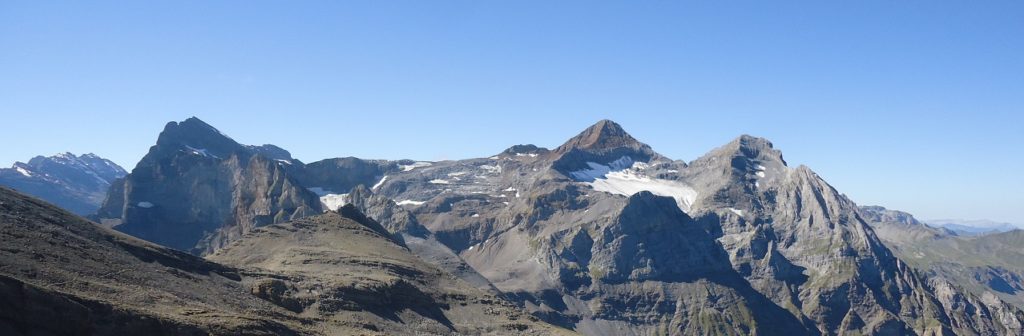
(599, 236)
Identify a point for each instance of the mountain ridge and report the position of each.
(602, 234)
(77, 183)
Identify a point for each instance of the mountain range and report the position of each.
(599, 236)
(972, 227)
(76, 183)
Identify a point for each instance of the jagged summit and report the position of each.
(196, 136)
(754, 148)
(744, 157)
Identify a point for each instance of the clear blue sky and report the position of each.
(915, 105)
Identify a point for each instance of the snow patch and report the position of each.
(411, 202)
(145, 205)
(439, 181)
(760, 174)
(201, 152)
(334, 201)
(672, 171)
(738, 212)
(23, 171)
(284, 161)
(533, 155)
(475, 215)
(415, 165)
(598, 170)
(495, 169)
(625, 177)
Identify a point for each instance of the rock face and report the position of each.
(608, 237)
(197, 190)
(342, 174)
(344, 267)
(76, 183)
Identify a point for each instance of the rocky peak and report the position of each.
(605, 135)
(197, 137)
(601, 144)
(197, 190)
(746, 149)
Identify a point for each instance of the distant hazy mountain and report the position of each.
(76, 183)
(967, 227)
(986, 265)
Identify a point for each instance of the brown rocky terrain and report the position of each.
(63, 275)
(348, 270)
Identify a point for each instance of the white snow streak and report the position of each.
(23, 171)
(380, 183)
(201, 152)
(598, 170)
(415, 165)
